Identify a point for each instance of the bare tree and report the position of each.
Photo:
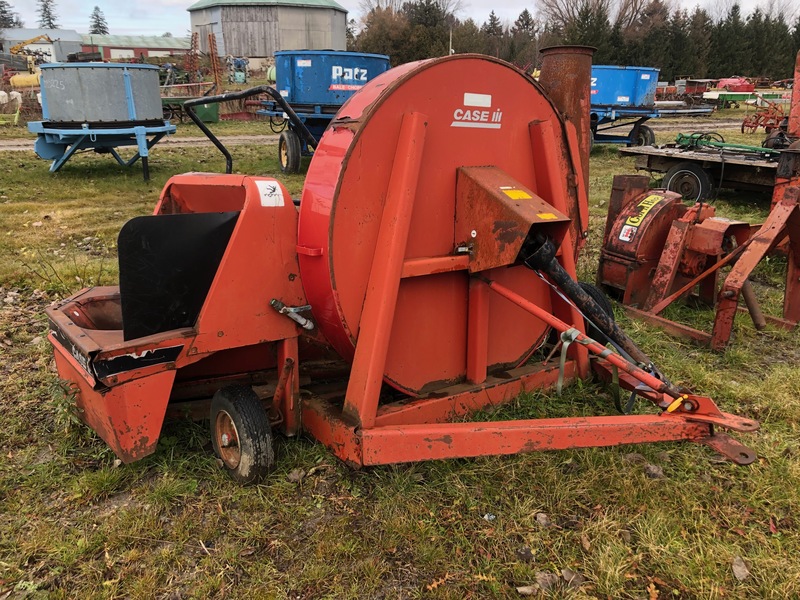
(627, 12)
(789, 9)
(451, 7)
(368, 6)
(563, 12)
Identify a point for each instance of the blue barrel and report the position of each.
(624, 86)
(324, 77)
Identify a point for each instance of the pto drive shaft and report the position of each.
(540, 255)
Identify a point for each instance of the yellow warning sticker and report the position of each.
(517, 194)
(645, 206)
(547, 216)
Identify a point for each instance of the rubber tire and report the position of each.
(698, 184)
(645, 136)
(289, 151)
(600, 297)
(245, 410)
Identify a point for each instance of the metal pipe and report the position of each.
(566, 76)
(753, 307)
(261, 89)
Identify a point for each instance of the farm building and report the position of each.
(64, 41)
(114, 47)
(255, 28)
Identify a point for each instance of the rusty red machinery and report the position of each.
(429, 273)
(768, 115)
(658, 250)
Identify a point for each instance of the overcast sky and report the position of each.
(154, 17)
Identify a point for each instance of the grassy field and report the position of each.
(650, 521)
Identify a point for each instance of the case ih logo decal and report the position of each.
(346, 74)
(477, 112)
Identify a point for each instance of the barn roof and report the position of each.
(18, 34)
(136, 41)
(201, 4)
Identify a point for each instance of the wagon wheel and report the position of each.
(750, 124)
(241, 434)
(289, 151)
(644, 136)
(689, 180)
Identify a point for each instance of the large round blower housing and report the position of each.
(478, 112)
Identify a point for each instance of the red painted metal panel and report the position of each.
(129, 416)
(346, 188)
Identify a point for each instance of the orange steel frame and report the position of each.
(364, 433)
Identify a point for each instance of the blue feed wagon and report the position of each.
(315, 83)
(623, 97)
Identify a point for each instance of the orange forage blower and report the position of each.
(430, 273)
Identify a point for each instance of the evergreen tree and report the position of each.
(730, 54)
(47, 14)
(524, 25)
(700, 27)
(97, 22)
(778, 63)
(7, 18)
(429, 32)
(492, 27)
(680, 51)
(493, 32)
(654, 22)
(796, 35)
(467, 37)
(523, 46)
(591, 28)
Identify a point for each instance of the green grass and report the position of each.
(74, 524)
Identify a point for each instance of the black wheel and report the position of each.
(690, 181)
(241, 434)
(602, 300)
(166, 112)
(645, 136)
(289, 151)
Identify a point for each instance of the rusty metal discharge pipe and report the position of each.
(566, 77)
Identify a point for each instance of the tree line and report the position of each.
(48, 19)
(625, 32)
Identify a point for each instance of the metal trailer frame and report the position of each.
(738, 171)
(60, 144)
(606, 118)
